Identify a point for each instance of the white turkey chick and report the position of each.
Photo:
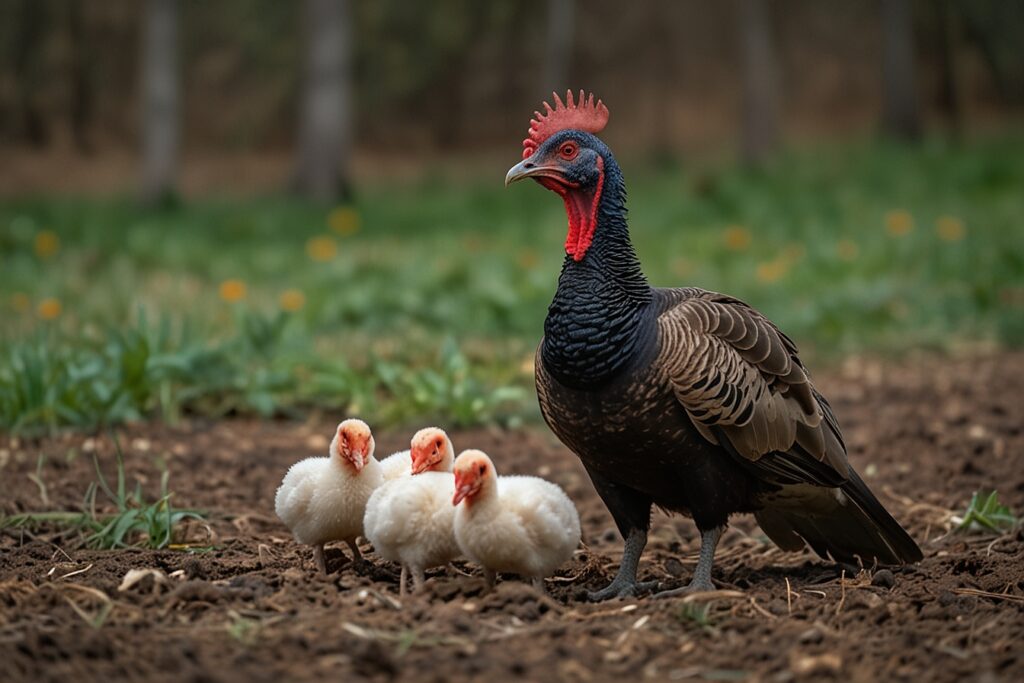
(324, 499)
(523, 525)
(410, 520)
(396, 466)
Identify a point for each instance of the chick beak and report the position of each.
(463, 489)
(358, 459)
(527, 168)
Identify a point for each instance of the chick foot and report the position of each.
(321, 561)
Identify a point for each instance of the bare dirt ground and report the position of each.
(925, 434)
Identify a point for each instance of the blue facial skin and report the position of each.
(581, 171)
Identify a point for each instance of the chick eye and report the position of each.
(483, 469)
(568, 151)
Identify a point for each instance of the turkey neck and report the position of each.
(594, 323)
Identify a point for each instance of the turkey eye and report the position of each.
(482, 469)
(568, 151)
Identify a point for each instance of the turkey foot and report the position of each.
(623, 588)
(692, 587)
(701, 581)
(625, 584)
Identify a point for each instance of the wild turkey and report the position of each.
(682, 398)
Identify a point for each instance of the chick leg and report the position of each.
(701, 581)
(625, 583)
(419, 578)
(538, 585)
(318, 555)
(357, 557)
(402, 581)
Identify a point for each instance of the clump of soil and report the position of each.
(248, 604)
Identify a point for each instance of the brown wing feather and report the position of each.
(740, 378)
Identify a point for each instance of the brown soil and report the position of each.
(925, 434)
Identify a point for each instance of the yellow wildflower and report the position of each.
(232, 291)
(292, 300)
(49, 308)
(20, 302)
(344, 220)
(46, 244)
(847, 250)
(770, 271)
(899, 223)
(737, 238)
(950, 228)
(322, 248)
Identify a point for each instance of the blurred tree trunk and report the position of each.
(949, 94)
(28, 70)
(325, 123)
(900, 117)
(760, 96)
(82, 90)
(160, 134)
(994, 27)
(558, 48)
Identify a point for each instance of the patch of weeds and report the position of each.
(243, 629)
(696, 615)
(268, 368)
(137, 523)
(406, 640)
(37, 479)
(103, 605)
(986, 513)
(448, 389)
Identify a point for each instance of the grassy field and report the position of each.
(428, 299)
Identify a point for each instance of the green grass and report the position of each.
(432, 308)
(986, 513)
(135, 523)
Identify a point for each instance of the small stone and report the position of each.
(194, 569)
(674, 567)
(829, 662)
(811, 636)
(883, 578)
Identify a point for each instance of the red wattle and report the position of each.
(581, 209)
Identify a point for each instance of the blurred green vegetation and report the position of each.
(426, 300)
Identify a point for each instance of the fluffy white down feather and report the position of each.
(396, 465)
(529, 528)
(410, 521)
(321, 500)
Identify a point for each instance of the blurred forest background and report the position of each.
(263, 206)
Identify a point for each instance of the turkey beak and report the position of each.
(528, 169)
